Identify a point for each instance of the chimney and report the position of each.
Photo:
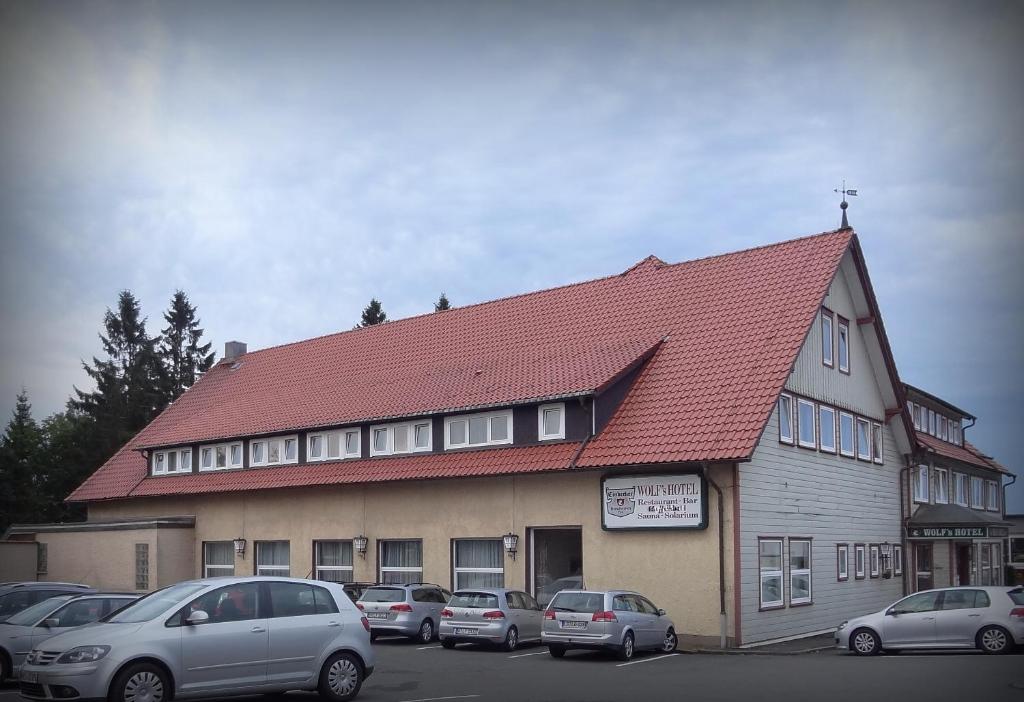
(234, 349)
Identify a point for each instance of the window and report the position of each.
(220, 456)
(874, 560)
(846, 434)
(956, 432)
(400, 561)
(877, 442)
(478, 429)
(218, 558)
(799, 571)
(805, 424)
(931, 422)
(941, 486)
(479, 563)
(407, 437)
(986, 564)
(977, 489)
(920, 477)
(965, 599)
(992, 493)
(770, 564)
(232, 603)
(1017, 550)
(299, 599)
(827, 428)
(274, 451)
(844, 345)
(863, 439)
(333, 445)
(272, 558)
(858, 561)
(333, 561)
(842, 562)
(916, 414)
(141, 566)
(826, 338)
(960, 489)
(921, 602)
(551, 421)
(897, 560)
(786, 419)
(172, 461)
(42, 558)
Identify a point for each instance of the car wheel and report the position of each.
(864, 642)
(426, 632)
(626, 651)
(448, 643)
(4, 671)
(994, 640)
(340, 678)
(142, 682)
(556, 651)
(670, 642)
(511, 639)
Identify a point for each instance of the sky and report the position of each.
(282, 163)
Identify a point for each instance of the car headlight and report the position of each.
(843, 625)
(84, 654)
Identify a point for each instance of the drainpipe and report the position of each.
(721, 555)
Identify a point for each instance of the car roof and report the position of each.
(486, 590)
(42, 584)
(599, 592)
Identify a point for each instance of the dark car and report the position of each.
(356, 590)
(15, 597)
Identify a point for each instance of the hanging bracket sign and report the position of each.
(654, 502)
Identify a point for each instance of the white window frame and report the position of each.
(280, 440)
(813, 444)
(211, 570)
(956, 433)
(874, 560)
(382, 569)
(786, 405)
(960, 490)
(830, 411)
(877, 446)
(853, 435)
(862, 455)
(843, 325)
(842, 562)
(943, 431)
(274, 570)
(932, 422)
(318, 568)
(764, 574)
(828, 338)
(991, 496)
(860, 562)
(459, 570)
(978, 503)
(541, 436)
(325, 440)
(179, 462)
(921, 484)
(897, 559)
(410, 429)
(448, 421)
(801, 571)
(917, 416)
(228, 464)
(941, 478)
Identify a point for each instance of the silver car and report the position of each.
(207, 638)
(486, 615)
(988, 618)
(30, 627)
(412, 609)
(615, 620)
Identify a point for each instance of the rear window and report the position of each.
(474, 600)
(383, 594)
(578, 602)
(1017, 596)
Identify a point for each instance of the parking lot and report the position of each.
(408, 672)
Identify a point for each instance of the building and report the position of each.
(956, 528)
(1015, 549)
(726, 435)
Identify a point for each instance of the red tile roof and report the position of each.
(732, 327)
(968, 453)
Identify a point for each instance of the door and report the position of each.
(627, 612)
(556, 561)
(959, 618)
(532, 617)
(911, 621)
(923, 566)
(229, 651)
(963, 564)
(304, 621)
(653, 632)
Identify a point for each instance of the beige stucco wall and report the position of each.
(174, 558)
(17, 560)
(677, 569)
(102, 559)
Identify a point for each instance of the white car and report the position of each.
(988, 618)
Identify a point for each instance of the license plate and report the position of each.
(30, 677)
(573, 625)
(463, 630)
(376, 615)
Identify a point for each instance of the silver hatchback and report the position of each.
(614, 620)
(208, 638)
(412, 609)
(490, 615)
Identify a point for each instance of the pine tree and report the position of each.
(442, 303)
(183, 357)
(373, 314)
(20, 454)
(70, 455)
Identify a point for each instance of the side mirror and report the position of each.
(661, 613)
(892, 612)
(197, 617)
(52, 623)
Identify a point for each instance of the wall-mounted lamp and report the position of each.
(885, 555)
(240, 546)
(359, 543)
(511, 541)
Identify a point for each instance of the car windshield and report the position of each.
(1016, 595)
(383, 594)
(154, 604)
(578, 602)
(32, 615)
(474, 600)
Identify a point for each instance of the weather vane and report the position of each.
(852, 192)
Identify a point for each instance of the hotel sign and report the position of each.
(654, 502)
(948, 532)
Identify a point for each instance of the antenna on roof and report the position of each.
(843, 205)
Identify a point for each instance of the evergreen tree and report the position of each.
(20, 455)
(442, 303)
(183, 357)
(373, 314)
(70, 455)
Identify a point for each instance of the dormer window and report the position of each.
(274, 451)
(844, 345)
(333, 445)
(486, 429)
(172, 461)
(406, 437)
(551, 422)
(221, 456)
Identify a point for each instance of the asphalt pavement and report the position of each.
(408, 672)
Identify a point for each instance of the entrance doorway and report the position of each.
(556, 561)
(923, 566)
(963, 564)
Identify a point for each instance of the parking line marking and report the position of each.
(427, 648)
(435, 699)
(522, 655)
(648, 660)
